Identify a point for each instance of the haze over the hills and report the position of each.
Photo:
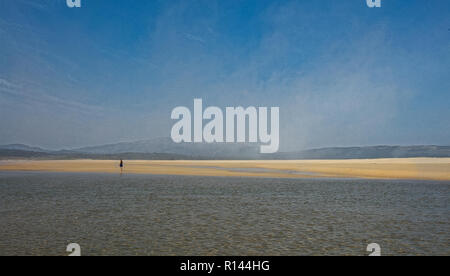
(164, 148)
(166, 145)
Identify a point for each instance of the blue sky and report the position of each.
(342, 74)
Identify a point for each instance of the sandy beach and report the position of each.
(408, 168)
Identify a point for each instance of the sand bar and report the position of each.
(407, 168)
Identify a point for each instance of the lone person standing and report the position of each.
(121, 165)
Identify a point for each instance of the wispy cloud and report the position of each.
(4, 84)
(194, 38)
(20, 94)
(41, 5)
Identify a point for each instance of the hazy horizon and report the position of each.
(206, 144)
(341, 73)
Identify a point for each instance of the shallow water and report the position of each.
(41, 213)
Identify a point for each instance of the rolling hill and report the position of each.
(165, 149)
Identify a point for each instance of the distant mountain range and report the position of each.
(166, 145)
(371, 152)
(20, 147)
(165, 149)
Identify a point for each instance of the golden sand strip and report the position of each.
(408, 168)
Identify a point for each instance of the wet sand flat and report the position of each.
(403, 168)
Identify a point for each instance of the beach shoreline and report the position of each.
(401, 168)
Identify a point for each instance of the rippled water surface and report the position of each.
(40, 213)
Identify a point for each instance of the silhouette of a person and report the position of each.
(121, 165)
